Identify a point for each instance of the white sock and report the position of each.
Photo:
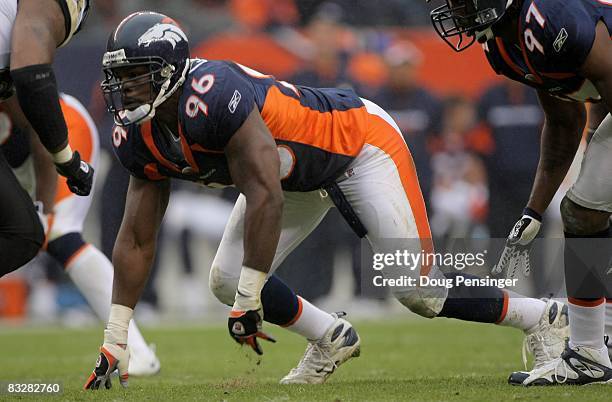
(92, 273)
(522, 312)
(311, 322)
(586, 324)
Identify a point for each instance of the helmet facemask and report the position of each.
(153, 85)
(458, 22)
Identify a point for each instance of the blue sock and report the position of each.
(280, 304)
(473, 303)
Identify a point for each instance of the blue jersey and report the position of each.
(554, 40)
(318, 132)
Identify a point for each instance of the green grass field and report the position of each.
(420, 360)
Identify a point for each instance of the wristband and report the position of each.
(249, 289)
(118, 322)
(63, 156)
(532, 214)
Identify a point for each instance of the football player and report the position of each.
(563, 49)
(30, 32)
(88, 268)
(293, 152)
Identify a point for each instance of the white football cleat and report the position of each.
(546, 340)
(578, 365)
(340, 343)
(144, 364)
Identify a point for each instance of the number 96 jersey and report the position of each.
(318, 132)
(554, 40)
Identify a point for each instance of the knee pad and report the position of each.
(580, 220)
(222, 285)
(426, 302)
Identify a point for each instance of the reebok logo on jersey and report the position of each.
(560, 40)
(233, 104)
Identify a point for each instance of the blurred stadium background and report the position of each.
(474, 138)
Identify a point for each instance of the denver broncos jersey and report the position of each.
(318, 132)
(554, 40)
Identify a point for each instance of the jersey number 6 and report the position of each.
(194, 103)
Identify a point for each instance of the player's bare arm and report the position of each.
(136, 242)
(133, 254)
(38, 30)
(42, 31)
(254, 165)
(561, 135)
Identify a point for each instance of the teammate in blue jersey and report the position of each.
(293, 152)
(563, 49)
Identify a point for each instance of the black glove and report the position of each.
(245, 328)
(111, 358)
(79, 174)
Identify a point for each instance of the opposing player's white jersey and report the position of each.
(8, 12)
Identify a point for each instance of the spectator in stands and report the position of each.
(514, 117)
(415, 109)
(459, 195)
(326, 52)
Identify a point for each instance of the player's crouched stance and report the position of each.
(293, 152)
(562, 49)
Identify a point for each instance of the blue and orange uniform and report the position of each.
(554, 40)
(318, 131)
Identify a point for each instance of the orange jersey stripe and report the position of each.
(297, 315)
(339, 132)
(586, 303)
(187, 151)
(504, 308)
(75, 255)
(383, 136)
(147, 136)
(79, 138)
(504, 54)
(199, 148)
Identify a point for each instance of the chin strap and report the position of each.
(485, 36)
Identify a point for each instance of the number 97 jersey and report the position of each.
(554, 40)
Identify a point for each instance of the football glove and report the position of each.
(515, 256)
(79, 174)
(112, 357)
(245, 328)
